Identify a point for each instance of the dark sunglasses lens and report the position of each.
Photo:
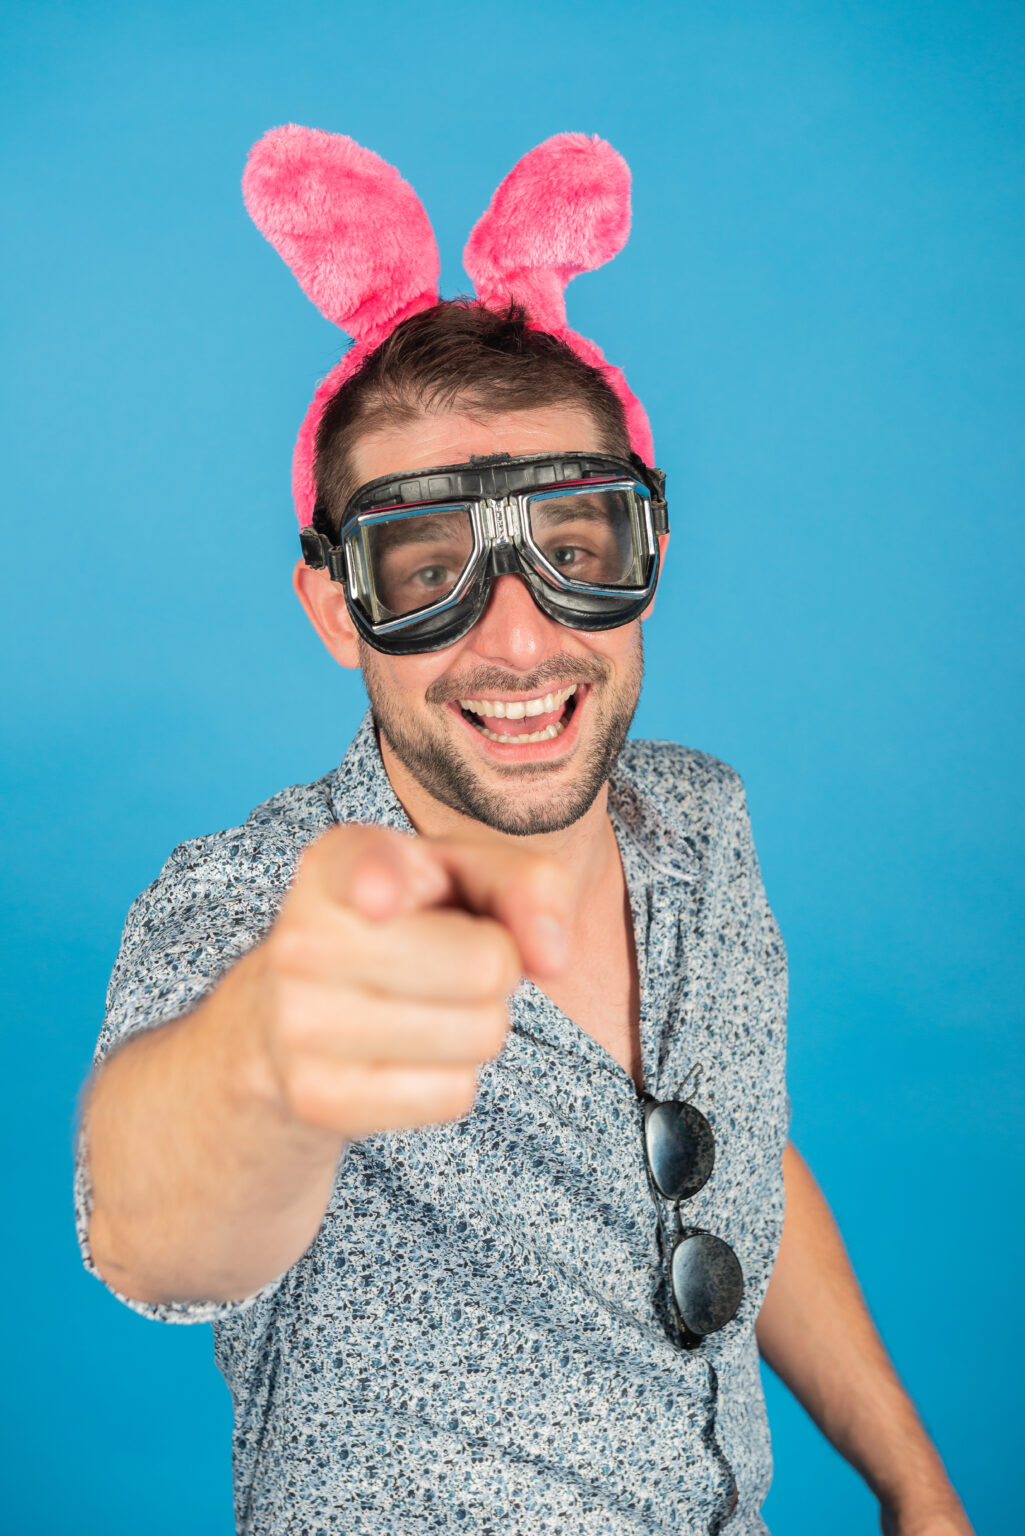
(681, 1148)
(708, 1282)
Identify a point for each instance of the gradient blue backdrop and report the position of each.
(821, 307)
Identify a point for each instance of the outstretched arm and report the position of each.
(815, 1331)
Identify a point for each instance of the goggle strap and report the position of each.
(655, 480)
(318, 552)
(316, 549)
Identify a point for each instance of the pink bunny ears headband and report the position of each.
(360, 243)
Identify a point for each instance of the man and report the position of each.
(472, 1143)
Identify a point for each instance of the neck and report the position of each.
(586, 850)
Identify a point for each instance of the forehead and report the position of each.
(452, 438)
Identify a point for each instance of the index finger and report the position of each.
(377, 871)
(528, 893)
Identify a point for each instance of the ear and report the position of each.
(353, 232)
(359, 242)
(324, 604)
(562, 210)
(663, 545)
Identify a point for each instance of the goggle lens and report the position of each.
(413, 560)
(409, 560)
(591, 536)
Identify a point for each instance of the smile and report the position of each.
(551, 710)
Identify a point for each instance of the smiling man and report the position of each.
(519, 730)
(451, 1088)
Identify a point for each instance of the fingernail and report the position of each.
(552, 936)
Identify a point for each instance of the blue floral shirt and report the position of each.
(478, 1339)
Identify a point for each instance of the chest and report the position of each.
(600, 989)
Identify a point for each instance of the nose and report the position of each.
(512, 629)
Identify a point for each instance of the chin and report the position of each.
(520, 792)
(515, 774)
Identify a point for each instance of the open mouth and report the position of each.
(523, 722)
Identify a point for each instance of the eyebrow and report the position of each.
(565, 509)
(419, 530)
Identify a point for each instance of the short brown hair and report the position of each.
(455, 354)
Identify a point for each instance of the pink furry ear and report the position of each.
(562, 210)
(353, 232)
(357, 238)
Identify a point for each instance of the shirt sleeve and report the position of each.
(764, 959)
(210, 904)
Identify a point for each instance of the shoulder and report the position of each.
(686, 786)
(243, 872)
(259, 854)
(677, 803)
(667, 770)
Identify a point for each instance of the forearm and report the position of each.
(816, 1333)
(203, 1187)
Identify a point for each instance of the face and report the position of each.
(518, 724)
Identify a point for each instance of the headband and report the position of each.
(358, 240)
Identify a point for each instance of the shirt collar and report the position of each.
(654, 856)
(361, 791)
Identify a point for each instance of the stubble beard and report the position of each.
(494, 795)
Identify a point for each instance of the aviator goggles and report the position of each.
(417, 553)
(706, 1280)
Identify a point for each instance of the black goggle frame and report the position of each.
(494, 491)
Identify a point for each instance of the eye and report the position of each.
(432, 575)
(564, 554)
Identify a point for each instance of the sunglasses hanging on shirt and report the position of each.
(706, 1280)
(417, 553)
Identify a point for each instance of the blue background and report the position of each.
(821, 307)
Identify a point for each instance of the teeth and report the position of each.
(548, 734)
(517, 708)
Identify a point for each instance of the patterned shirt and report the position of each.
(479, 1337)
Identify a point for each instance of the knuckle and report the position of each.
(490, 964)
(491, 1033)
(347, 840)
(292, 950)
(458, 1096)
(309, 1023)
(304, 1094)
(354, 836)
(315, 854)
(546, 878)
(294, 1026)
